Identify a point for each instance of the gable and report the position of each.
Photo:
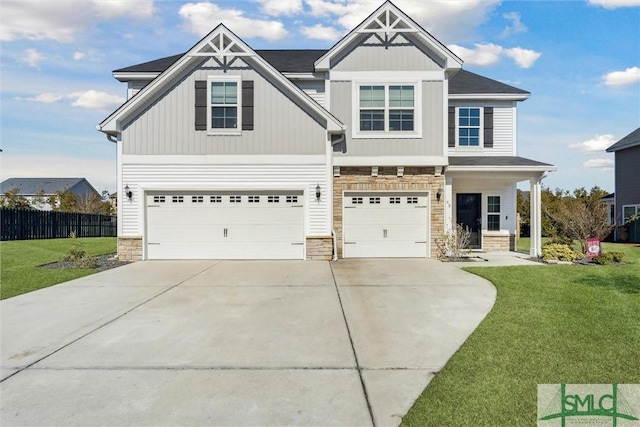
(372, 52)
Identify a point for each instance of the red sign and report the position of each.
(593, 248)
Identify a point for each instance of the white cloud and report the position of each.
(516, 25)
(61, 21)
(622, 78)
(606, 164)
(598, 143)
(320, 32)
(280, 7)
(486, 54)
(525, 58)
(89, 55)
(32, 57)
(447, 20)
(95, 100)
(203, 17)
(483, 54)
(44, 98)
(612, 4)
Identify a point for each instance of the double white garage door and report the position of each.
(225, 225)
(270, 225)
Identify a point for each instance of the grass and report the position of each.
(20, 260)
(550, 324)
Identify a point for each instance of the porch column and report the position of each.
(448, 204)
(535, 202)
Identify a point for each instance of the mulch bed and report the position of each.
(103, 262)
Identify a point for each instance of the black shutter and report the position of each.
(452, 126)
(247, 105)
(488, 127)
(201, 105)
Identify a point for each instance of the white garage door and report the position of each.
(385, 225)
(225, 225)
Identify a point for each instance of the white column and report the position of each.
(535, 201)
(448, 204)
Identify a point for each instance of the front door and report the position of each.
(468, 214)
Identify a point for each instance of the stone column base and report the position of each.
(498, 243)
(130, 248)
(319, 248)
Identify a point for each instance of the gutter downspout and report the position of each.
(335, 245)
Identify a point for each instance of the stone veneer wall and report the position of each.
(413, 179)
(130, 248)
(498, 243)
(320, 248)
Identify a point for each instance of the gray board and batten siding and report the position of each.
(166, 126)
(400, 53)
(432, 125)
(627, 176)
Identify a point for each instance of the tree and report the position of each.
(11, 199)
(580, 215)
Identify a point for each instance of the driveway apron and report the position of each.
(352, 342)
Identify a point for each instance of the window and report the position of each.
(224, 103)
(235, 199)
(394, 200)
(292, 199)
(386, 109)
(493, 213)
(412, 200)
(215, 199)
(158, 199)
(273, 199)
(356, 200)
(374, 200)
(469, 127)
(254, 199)
(177, 199)
(628, 211)
(197, 199)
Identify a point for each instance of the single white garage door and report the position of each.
(225, 225)
(393, 225)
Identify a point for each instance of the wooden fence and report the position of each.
(21, 224)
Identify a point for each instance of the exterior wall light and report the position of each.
(128, 192)
(439, 194)
(318, 192)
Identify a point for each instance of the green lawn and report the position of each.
(19, 261)
(550, 324)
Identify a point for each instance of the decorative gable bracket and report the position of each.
(221, 47)
(388, 23)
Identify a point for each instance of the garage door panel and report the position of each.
(233, 225)
(385, 225)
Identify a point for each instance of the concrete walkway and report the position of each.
(235, 343)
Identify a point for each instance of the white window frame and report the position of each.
(637, 212)
(224, 131)
(480, 145)
(498, 214)
(387, 134)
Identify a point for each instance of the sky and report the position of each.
(580, 59)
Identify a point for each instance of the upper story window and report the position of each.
(469, 127)
(224, 104)
(386, 110)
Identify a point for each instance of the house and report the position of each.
(626, 198)
(38, 190)
(375, 147)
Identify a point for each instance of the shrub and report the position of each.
(455, 244)
(559, 252)
(79, 257)
(617, 256)
(608, 257)
(562, 240)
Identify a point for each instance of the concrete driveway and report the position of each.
(232, 343)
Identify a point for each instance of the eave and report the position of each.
(133, 76)
(490, 96)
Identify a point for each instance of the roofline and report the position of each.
(111, 124)
(446, 53)
(498, 168)
(613, 148)
(132, 75)
(491, 96)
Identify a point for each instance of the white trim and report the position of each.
(514, 128)
(386, 76)
(305, 76)
(129, 76)
(390, 160)
(495, 168)
(490, 97)
(480, 146)
(445, 115)
(119, 186)
(225, 131)
(416, 133)
(211, 159)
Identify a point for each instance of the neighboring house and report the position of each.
(373, 148)
(31, 188)
(113, 199)
(627, 178)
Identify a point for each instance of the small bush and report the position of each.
(559, 252)
(617, 256)
(79, 257)
(608, 258)
(73, 234)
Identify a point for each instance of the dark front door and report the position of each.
(468, 214)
